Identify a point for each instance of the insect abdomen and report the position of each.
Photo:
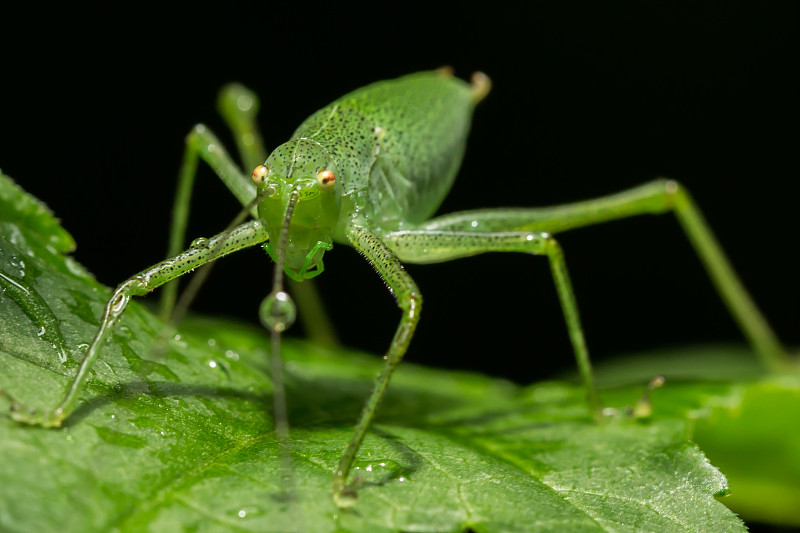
(400, 140)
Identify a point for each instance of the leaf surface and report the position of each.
(179, 436)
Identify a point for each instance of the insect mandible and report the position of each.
(369, 171)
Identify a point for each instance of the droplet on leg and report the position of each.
(278, 311)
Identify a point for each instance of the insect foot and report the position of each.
(643, 407)
(26, 415)
(344, 496)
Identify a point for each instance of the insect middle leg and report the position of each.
(657, 197)
(386, 253)
(433, 246)
(409, 300)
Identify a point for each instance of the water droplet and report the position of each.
(244, 102)
(198, 242)
(248, 511)
(230, 354)
(74, 267)
(41, 331)
(212, 364)
(62, 356)
(379, 471)
(212, 342)
(278, 312)
(177, 340)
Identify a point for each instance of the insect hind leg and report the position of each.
(656, 197)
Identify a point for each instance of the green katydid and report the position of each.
(369, 171)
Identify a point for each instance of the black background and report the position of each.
(588, 99)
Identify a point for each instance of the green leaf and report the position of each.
(745, 421)
(754, 436)
(179, 436)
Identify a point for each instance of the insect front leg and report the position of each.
(657, 197)
(409, 300)
(200, 143)
(244, 236)
(434, 246)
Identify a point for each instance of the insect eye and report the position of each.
(260, 174)
(325, 178)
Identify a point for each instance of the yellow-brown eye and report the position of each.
(260, 174)
(326, 179)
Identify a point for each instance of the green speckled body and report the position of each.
(397, 144)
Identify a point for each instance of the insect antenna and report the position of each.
(278, 313)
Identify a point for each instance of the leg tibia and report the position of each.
(202, 252)
(424, 246)
(409, 300)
